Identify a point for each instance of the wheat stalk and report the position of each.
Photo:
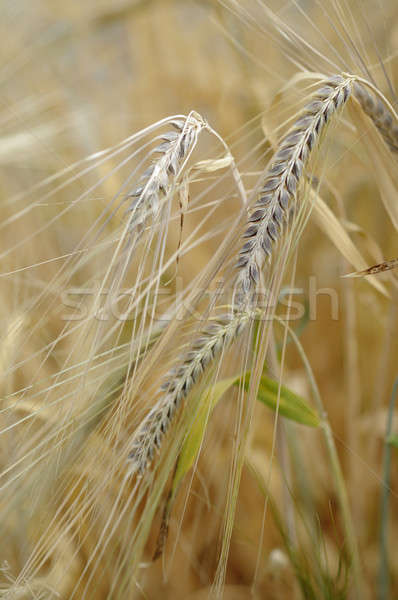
(282, 180)
(178, 383)
(382, 117)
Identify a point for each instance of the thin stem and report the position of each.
(385, 501)
(341, 489)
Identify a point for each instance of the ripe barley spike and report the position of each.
(178, 383)
(282, 180)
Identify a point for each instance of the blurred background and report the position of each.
(80, 77)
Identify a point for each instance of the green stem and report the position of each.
(384, 504)
(341, 489)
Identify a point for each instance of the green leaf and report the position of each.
(191, 446)
(393, 440)
(291, 405)
(193, 441)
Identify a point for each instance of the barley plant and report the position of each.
(198, 342)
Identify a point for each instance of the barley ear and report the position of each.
(282, 180)
(157, 181)
(379, 113)
(178, 383)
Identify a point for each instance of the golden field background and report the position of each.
(80, 77)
